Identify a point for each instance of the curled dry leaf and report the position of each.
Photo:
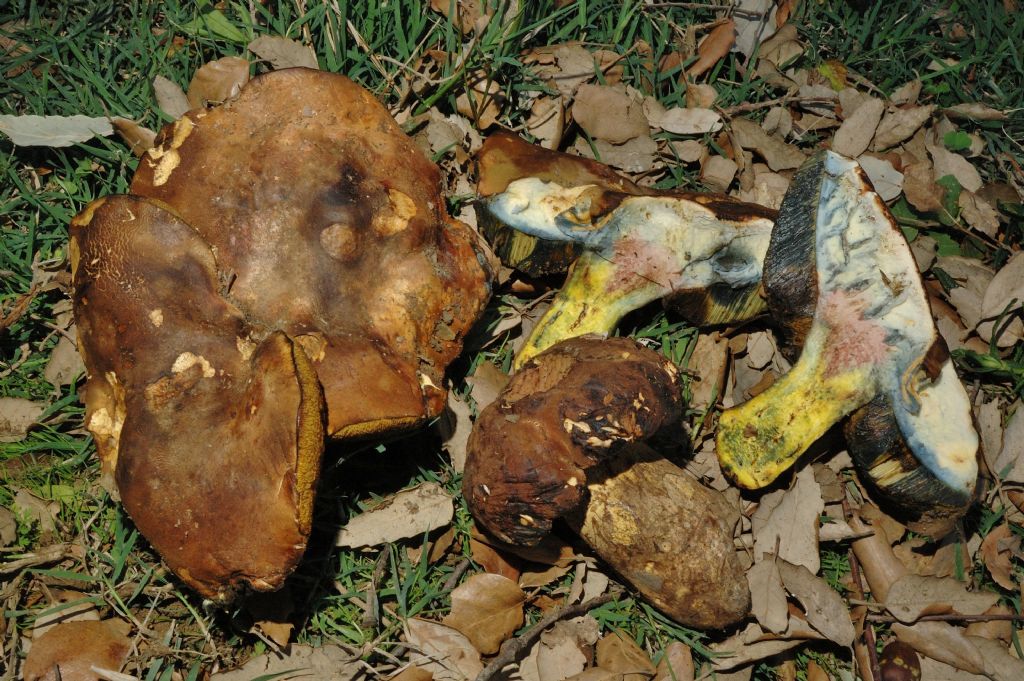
(767, 595)
(53, 131)
(776, 153)
(494, 561)
(898, 125)
(617, 652)
(456, 425)
(170, 97)
(138, 138)
(975, 111)
(713, 48)
(409, 513)
(443, 651)
(609, 113)
(17, 415)
(283, 53)
(753, 644)
(68, 652)
(855, 134)
(782, 48)
(546, 121)
(997, 551)
(709, 359)
(789, 519)
(825, 608)
(488, 609)
(912, 596)
(217, 81)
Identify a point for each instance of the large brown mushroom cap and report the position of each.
(566, 410)
(213, 435)
(328, 224)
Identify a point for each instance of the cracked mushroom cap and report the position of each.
(328, 224)
(212, 431)
(843, 284)
(562, 413)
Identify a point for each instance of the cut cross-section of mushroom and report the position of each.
(636, 249)
(213, 436)
(328, 224)
(558, 443)
(844, 285)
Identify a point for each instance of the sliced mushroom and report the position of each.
(637, 249)
(843, 284)
(212, 433)
(328, 224)
(551, 446)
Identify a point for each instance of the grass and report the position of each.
(98, 58)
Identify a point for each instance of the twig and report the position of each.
(47, 554)
(453, 579)
(511, 649)
(685, 5)
(953, 617)
(858, 589)
(778, 101)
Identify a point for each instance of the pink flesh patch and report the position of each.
(853, 341)
(637, 259)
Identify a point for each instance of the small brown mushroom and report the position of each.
(549, 447)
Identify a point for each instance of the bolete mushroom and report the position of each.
(702, 252)
(551, 446)
(843, 284)
(284, 251)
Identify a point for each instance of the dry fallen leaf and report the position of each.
(776, 153)
(755, 22)
(170, 97)
(17, 415)
(8, 527)
(713, 48)
(975, 111)
(921, 189)
(855, 134)
(271, 613)
(676, 664)
(69, 651)
(687, 121)
(558, 654)
(912, 596)
(486, 384)
(947, 162)
(888, 181)
(718, 172)
(443, 651)
(638, 155)
(972, 278)
(782, 48)
(997, 552)
(825, 608)
(217, 81)
(617, 652)
(488, 609)
(1004, 293)
(283, 53)
(299, 662)
(609, 113)
(789, 519)
(455, 427)
(66, 606)
(899, 124)
(710, 358)
(494, 561)
(753, 644)
(53, 131)
(767, 595)
(138, 138)
(906, 93)
(409, 513)
(546, 121)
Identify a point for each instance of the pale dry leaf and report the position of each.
(921, 189)
(8, 527)
(989, 418)
(997, 552)
(975, 111)
(942, 641)
(595, 583)
(17, 415)
(1004, 294)
(53, 131)
(171, 99)
(826, 107)
(760, 349)
(978, 213)
(924, 248)
(617, 652)
(66, 606)
(776, 153)
(754, 644)
(570, 66)
(898, 125)
(700, 95)
(217, 81)
(769, 188)
(755, 22)
(906, 93)
(283, 53)
(680, 121)
(559, 653)
(782, 48)
(912, 596)
(597, 674)
(688, 151)
(488, 609)
(457, 425)
(1009, 464)
(855, 134)
(996, 629)
(972, 278)
(767, 595)
(638, 155)
(443, 651)
(826, 610)
(778, 121)
(36, 510)
(710, 358)
(486, 384)
(887, 181)
(327, 663)
(933, 670)
(410, 513)
(1000, 664)
(947, 162)
(65, 364)
(850, 99)
(74, 648)
(493, 561)
(792, 523)
(676, 664)
(713, 48)
(718, 172)
(609, 113)
(138, 138)
(546, 121)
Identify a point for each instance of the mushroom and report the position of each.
(282, 252)
(843, 284)
(551, 446)
(701, 252)
(328, 224)
(212, 433)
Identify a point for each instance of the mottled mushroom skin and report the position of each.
(328, 224)
(566, 410)
(212, 433)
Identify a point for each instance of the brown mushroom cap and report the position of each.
(213, 435)
(565, 411)
(328, 224)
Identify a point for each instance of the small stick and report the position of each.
(858, 585)
(511, 649)
(778, 101)
(47, 554)
(953, 617)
